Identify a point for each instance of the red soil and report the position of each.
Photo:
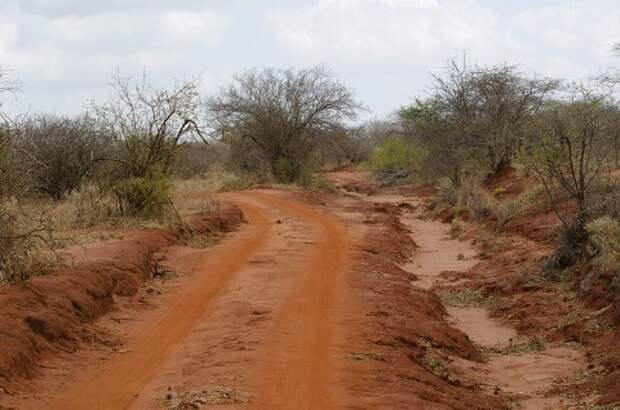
(311, 306)
(510, 179)
(51, 313)
(398, 324)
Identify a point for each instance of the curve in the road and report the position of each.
(297, 363)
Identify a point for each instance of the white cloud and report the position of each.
(64, 51)
(57, 8)
(582, 30)
(56, 56)
(369, 30)
(395, 43)
(188, 26)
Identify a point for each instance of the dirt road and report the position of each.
(310, 307)
(293, 367)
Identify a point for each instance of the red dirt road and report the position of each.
(293, 367)
(299, 365)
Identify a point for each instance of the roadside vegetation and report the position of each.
(150, 155)
(481, 128)
(128, 161)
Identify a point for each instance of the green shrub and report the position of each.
(605, 235)
(459, 210)
(143, 196)
(394, 155)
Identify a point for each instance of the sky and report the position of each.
(65, 52)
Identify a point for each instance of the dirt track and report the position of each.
(306, 307)
(293, 364)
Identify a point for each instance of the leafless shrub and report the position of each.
(246, 159)
(11, 176)
(148, 126)
(476, 117)
(569, 153)
(197, 159)
(282, 114)
(58, 152)
(22, 238)
(90, 207)
(354, 145)
(492, 105)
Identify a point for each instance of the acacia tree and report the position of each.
(282, 113)
(570, 147)
(147, 127)
(570, 154)
(490, 107)
(432, 126)
(149, 124)
(10, 177)
(58, 152)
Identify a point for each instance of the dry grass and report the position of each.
(23, 240)
(531, 346)
(89, 216)
(467, 298)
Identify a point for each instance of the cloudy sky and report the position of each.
(64, 52)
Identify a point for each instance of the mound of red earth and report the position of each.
(509, 180)
(401, 328)
(579, 307)
(51, 313)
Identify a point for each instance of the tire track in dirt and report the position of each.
(299, 362)
(116, 384)
(293, 366)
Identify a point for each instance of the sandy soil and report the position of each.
(526, 377)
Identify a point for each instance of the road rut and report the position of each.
(293, 365)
